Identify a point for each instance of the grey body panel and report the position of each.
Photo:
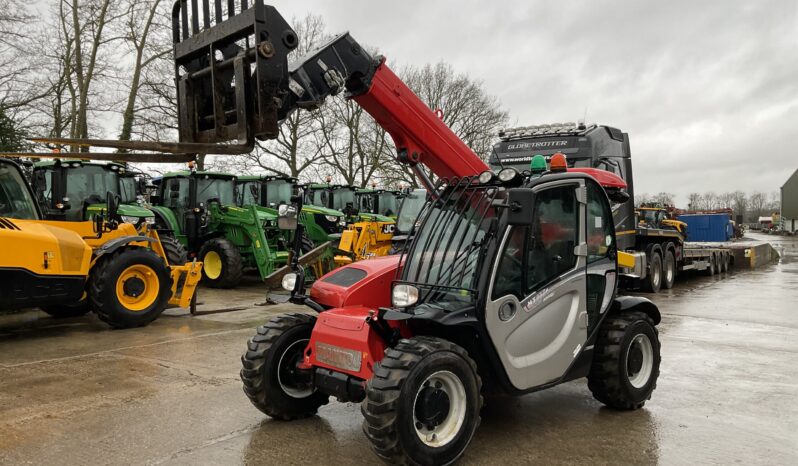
(549, 328)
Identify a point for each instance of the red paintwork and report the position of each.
(347, 328)
(374, 291)
(416, 128)
(604, 178)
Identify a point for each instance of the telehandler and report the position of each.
(70, 268)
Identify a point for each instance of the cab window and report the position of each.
(600, 225)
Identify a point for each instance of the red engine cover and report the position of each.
(373, 290)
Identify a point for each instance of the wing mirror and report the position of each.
(520, 204)
(617, 196)
(287, 217)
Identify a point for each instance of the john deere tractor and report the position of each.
(199, 209)
(68, 268)
(75, 190)
(379, 201)
(321, 224)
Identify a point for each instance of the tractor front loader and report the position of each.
(70, 268)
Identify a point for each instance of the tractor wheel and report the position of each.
(222, 265)
(669, 270)
(63, 311)
(130, 287)
(626, 361)
(653, 280)
(269, 369)
(307, 244)
(422, 405)
(176, 253)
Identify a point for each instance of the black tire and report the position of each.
(653, 280)
(307, 244)
(710, 270)
(176, 253)
(232, 266)
(65, 311)
(668, 270)
(390, 408)
(609, 378)
(110, 269)
(261, 368)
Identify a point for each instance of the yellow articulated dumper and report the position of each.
(70, 268)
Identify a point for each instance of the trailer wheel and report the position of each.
(422, 405)
(710, 270)
(222, 263)
(626, 361)
(669, 270)
(269, 369)
(653, 280)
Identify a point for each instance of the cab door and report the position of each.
(536, 312)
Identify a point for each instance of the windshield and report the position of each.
(249, 193)
(648, 216)
(222, 190)
(15, 199)
(387, 204)
(365, 201)
(343, 197)
(127, 189)
(409, 210)
(279, 192)
(444, 257)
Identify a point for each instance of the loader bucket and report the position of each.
(231, 69)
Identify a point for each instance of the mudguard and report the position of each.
(636, 303)
(116, 243)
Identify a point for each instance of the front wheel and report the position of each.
(626, 361)
(222, 264)
(269, 369)
(422, 405)
(130, 287)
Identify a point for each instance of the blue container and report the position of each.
(713, 228)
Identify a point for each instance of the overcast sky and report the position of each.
(708, 91)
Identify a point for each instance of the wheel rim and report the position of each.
(639, 360)
(137, 287)
(212, 265)
(656, 277)
(439, 409)
(286, 370)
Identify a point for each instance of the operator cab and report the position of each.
(16, 197)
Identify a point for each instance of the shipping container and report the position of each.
(713, 228)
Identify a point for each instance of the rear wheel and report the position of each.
(669, 270)
(269, 369)
(176, 253)
(222, 264)
(653, 281)
(130, 287)
(626, 361)
(710, 270)
(422, 405)
(64, 311)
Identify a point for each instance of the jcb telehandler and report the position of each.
(69, 268)
(509, 284)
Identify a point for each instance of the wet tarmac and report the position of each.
(75, 392)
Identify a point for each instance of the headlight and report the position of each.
(486, 177)
(289, 281)
(507, 175)
(404, 295)
(342, 221)
(150, 220)
(129, 219)
(332, 218)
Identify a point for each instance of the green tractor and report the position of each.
(321, 224)
(76, 190)
(379, 201)
(342, 198)
(199, 209)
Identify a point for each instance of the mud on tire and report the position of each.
(264, 362)
(117, 274)
(616, 361)
(391, 408)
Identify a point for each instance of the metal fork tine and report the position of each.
(231, 8)
(218, 5)
(244, 5)
(184, 17)
(194, 17)
(206, 14)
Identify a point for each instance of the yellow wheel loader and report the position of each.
(71, 268)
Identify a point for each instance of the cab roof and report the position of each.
(188, 174)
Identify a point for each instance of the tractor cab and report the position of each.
(337, 197)
(320, 223)
(16, 198)
(407, 220)
(75, 190)
(378, 201)
(652, 217)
